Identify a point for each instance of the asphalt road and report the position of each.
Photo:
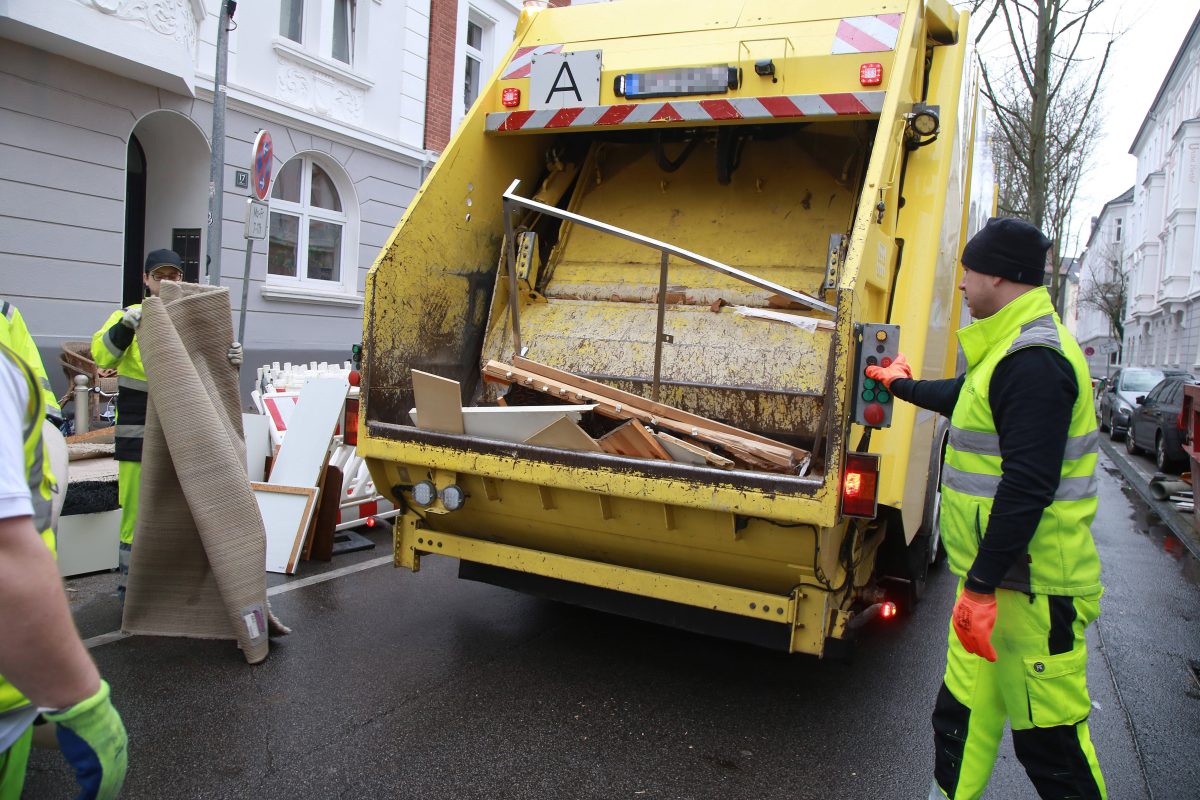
(402, 685)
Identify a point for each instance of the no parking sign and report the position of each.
(264, 154)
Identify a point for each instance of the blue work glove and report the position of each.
(92, 738)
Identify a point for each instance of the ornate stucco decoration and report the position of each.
(176, 19)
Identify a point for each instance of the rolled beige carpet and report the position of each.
(199, 547)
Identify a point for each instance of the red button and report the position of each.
(873, 414)
(887, 362)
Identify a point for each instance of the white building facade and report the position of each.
(1102, 266)
(105, 153)
(1162, 324)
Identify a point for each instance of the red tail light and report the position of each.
(870, 74)
(350, 423)
(888, 610)
(859, 485)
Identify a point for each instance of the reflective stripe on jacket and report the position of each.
(131, 384)
(1062, 557)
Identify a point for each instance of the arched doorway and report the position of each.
(166, 195)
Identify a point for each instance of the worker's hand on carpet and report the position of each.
(132, 318)
(886, 373)
(92, 738)
(235, 354)
(974, 617)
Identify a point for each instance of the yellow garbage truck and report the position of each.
(717, 211)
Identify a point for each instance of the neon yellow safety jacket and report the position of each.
(116, 346)
(41, 483)
(16, 336)
(1061, 558)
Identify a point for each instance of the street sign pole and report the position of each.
(258, 216)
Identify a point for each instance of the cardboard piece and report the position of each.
(564, 435)
(286, 513)
(439, 401)
(305, 449)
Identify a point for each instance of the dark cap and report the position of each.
(163, 258)
(1009, 248)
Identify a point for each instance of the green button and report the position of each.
(883, 397)
(868, 395)
(869, 384)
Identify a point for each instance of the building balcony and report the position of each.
(153, 43)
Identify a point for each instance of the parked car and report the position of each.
(1157, 424)
(1121, 392)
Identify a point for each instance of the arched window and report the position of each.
(308, 241)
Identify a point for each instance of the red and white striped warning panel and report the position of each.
(867, 34)
(522, 60)
(781, 107)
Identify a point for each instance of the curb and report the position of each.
(1182, 525)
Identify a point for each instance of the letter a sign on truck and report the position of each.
(264, 154)
(565, 80)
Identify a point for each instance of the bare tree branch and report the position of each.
(1044, 119)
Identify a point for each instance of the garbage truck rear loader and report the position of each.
(711, 215)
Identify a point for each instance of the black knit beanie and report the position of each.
(1009, 248)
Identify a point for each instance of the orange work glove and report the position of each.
(897, 369)
(974, 617)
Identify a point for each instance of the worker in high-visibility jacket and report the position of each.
(16, 337)
(44, 667)
(115, 345)
(1018, 499)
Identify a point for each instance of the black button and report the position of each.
(872, 361)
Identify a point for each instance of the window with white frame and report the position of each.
(308, 241)
(334, 33)
(1119, 222)
(475, 58)
(291, 19)
(344, 19)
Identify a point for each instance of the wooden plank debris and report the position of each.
(633, 440)
(685, 451)
(627, 400)
(750, 449)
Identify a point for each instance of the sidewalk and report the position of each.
(1137, 476)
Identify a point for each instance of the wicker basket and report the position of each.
(77, 360)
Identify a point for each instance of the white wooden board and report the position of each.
(286, 513)
(257, 430)
(310, 432)
(512, 423)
